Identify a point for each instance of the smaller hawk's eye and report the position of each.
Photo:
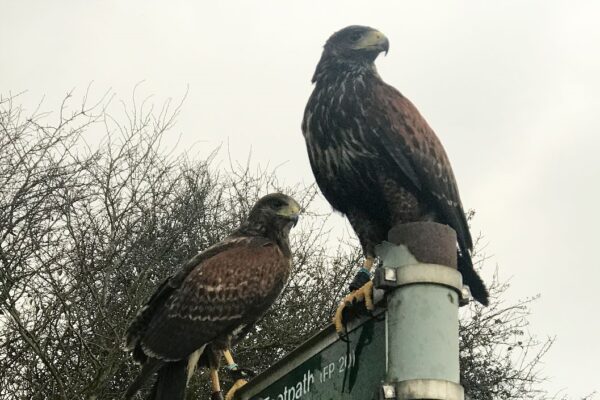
(355, 36)
(278, 204)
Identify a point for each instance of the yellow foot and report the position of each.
(238, 384)
(365, 294)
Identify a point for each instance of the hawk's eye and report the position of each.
(355, 37)
(278, 204)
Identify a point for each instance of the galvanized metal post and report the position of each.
(424, 291)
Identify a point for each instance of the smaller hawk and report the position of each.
(214, 299)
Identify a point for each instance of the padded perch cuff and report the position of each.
(362, 276)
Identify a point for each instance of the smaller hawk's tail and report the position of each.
(147, 371)
(171, 382)
(471, 278)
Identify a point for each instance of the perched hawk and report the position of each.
(373, 155)
(215, 298)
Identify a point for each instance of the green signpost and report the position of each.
(327, 368)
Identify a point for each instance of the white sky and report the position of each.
(511, 87)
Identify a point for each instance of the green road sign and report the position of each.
(327, 368)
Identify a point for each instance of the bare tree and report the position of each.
(86, 235)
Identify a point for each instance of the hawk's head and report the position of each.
(356, 43)
(275, 210)
(352, 48)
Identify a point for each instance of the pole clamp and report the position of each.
(419, 389)
(388, 278)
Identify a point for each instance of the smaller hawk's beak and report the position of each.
(292, 212)
(295, 211)
(295, 219)
(374, 40)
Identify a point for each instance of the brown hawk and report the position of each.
(373, 155)
(215, 298)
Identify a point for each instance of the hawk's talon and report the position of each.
(216, 395)
(238, 384)
(365, 293)
(344, 337)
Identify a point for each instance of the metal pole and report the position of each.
(424, 291)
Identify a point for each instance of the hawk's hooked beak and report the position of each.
(374, 40)
(295, 219)
(292, 212)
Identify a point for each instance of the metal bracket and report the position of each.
(388, 278)
(391, 278)
(465, 296)
(388, 391)
(419, 389)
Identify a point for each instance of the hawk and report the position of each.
(374, 157)
(215, 298)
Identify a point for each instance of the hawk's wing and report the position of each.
(231, 287)
(140, 323)
(411, 143)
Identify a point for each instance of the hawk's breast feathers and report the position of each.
(234, 285)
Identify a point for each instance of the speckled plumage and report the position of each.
(374, 156)
(218, 294)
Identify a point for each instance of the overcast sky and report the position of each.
(512, 89)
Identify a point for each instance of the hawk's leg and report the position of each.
(234, 371)
(215, 385)
(363, 293)
(370, 231)
(233, 367)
